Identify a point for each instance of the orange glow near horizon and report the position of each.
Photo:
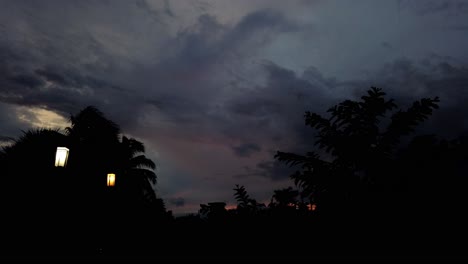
(231, 207)
(313, 207)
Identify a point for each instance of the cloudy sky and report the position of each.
(215, 87)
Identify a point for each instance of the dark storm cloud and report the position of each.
(450, 83)
(201, 62)
(263, 19)
(246, 149)
(25, 80)
(64, 92)
(10, 124)
(167, 9)
(270, 169)
(451, 7)
(71, 66)
(459, 28)
(407, 81)
(74, 54)
(52, 77)
(255, 107)
(178, 202)
(274, 112)
(209, 42)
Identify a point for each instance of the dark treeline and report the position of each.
(370, 187)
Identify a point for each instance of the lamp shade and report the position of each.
(110, 179)
(61, 157)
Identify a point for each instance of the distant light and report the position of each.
(110, 179)
(313, 207)
(61, 157)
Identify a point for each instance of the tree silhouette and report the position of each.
(286, 198)
(73, 203)
(33, 193)
(94, 144)
(130, 207)
(137, 205)
(28, 166)
(137, 170)
(215, 212)
(91, 126)
(362, 151)
(245, 204)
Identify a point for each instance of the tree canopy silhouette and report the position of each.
(285, 198)
(245, 204)
(44, 197)
(362, 150)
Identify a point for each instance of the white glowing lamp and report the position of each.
(61, 157)
(110, 179)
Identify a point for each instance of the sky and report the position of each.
(214, 88)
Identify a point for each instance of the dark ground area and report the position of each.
(272, 241)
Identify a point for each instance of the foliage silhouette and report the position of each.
(286, 198)
(137, 169)
(243, 199)
(215, 212)
(370, 184)
(245, 204)
(73, 203)
(90, 125)
(363, 154)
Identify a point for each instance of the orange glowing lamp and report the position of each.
(61, 157)
(110, 179)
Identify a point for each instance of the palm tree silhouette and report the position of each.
(90, 125)
(77, 197)
(102, 149)
(34, 193)
(137, 170)
(28, 163)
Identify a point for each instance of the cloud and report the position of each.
(246, 149)
(177, 202)
(25, 81)
(407, 81)
(53, 77)
(5, 141)
(10, 123)
(268, 169)
(450, 7)
(64, 91)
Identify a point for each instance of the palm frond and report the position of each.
(142, 161)
(133, 146)
(143, 174)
